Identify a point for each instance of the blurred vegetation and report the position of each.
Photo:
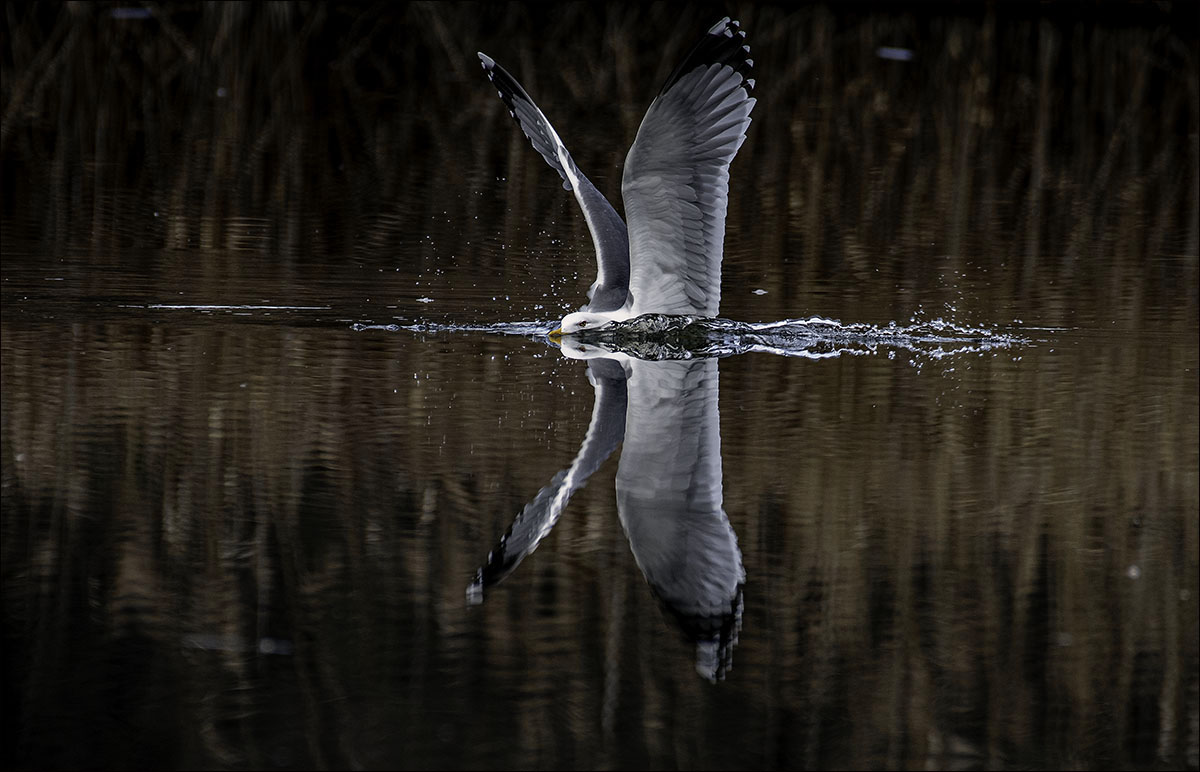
(995, 568)
(1045, 137)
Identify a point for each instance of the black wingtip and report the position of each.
(721, 27)
(724, 43)
(506, 85)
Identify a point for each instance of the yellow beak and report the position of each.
(555, 333)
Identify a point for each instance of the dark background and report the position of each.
(985, 562)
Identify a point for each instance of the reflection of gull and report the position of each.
(669, 500)
(668, 495)
(675, 185)
(539, 515)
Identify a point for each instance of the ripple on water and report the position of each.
(660, 336)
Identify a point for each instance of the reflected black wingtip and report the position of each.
(724, 43)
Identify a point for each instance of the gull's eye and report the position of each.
(583, 324)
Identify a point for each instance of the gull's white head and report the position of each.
(581, 321)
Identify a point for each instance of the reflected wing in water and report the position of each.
(670, 502)
(539, 515)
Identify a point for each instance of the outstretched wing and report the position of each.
(669, 499)
(539, 515)
(609, 235)
(676, 180)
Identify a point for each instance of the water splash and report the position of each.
(216, 307)
(658, 336)
(535, 330)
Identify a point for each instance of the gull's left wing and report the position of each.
(669, 499)
(676, 179)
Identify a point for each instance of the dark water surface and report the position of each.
(274, 387)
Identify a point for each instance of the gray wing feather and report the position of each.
(538, 517)
(609, 235)
(676, 180)
(669, 500)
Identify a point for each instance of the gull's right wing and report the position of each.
(604, 434)
(609, 235)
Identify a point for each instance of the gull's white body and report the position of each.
(675, 186)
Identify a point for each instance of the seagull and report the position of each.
(668, 489)
(675, 186)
